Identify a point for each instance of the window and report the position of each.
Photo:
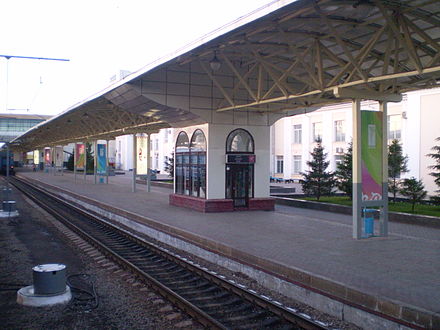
(339, 131)
(241, 141)
(279, 164)
(317, 131)
(156, 144)
(165, 138)
(198, 164)
(297, 133)
(190, 164)
(182, 170)
(394, 127)
(338, 160)
(297, 160)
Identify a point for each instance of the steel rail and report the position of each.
(201, 316)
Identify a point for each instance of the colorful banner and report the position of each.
(372, 163)
(141, 159)
(101, 159)
(47, 158)
(80, 156)
(59, 156)
(36, 157)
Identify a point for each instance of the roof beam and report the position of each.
(351, 93)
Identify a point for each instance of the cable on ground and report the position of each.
(84, 296)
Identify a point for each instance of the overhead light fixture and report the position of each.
(215, 63)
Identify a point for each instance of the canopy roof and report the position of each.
(288, 57)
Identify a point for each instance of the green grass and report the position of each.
(421, 209)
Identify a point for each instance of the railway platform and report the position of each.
(377, 283)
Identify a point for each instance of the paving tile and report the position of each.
(296, 242)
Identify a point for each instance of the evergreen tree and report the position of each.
(317, 181)
(397, 164)
(414, 190)
(169, 166)
(436, 170)
(344, 172)
(90, 157)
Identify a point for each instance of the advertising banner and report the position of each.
(47, 158)
(80, 156)
(102, 159)
(36, 157)
(141, 159)
(59, 156)
(371, 155)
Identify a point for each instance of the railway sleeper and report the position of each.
(147, 268)
(188, 285)
(182, 279)
(140, 256)
(196, 291)
(132, 256)
(200, 299)
(169, 272)
(270, 322)
(232, 310)
(213, 305)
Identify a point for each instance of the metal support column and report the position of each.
(7, 166)
(75, 157)
(148, 162)
(106, 161)
(62, 160)
(95, 158)
(85, 161)
(52, 161)
(134, 163)
(357, 178)
(383, 220)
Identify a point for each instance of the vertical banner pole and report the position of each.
(85, 161)
(357, 178)
(52, 163)
(106, 161)
(134, 162)
(148, 162)
(383, 220)
(62, 160)
(95, 160)
(7, 165)
(75, 157)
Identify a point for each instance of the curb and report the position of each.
(421, 220)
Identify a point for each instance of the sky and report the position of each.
(99, 37)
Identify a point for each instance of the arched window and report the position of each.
(239, 140)
(191, 164)
(182, 164)
(198, 164)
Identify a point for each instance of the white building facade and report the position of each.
(161, 149)
(412, 121)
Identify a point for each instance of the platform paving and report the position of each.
(403, 268)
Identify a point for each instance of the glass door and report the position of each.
(239, 184)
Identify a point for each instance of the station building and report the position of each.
(223, 92)
(13, 125)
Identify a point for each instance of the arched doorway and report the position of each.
(240, 159)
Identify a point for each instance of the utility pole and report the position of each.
(8, 57)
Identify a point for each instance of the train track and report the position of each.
(208, 297)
